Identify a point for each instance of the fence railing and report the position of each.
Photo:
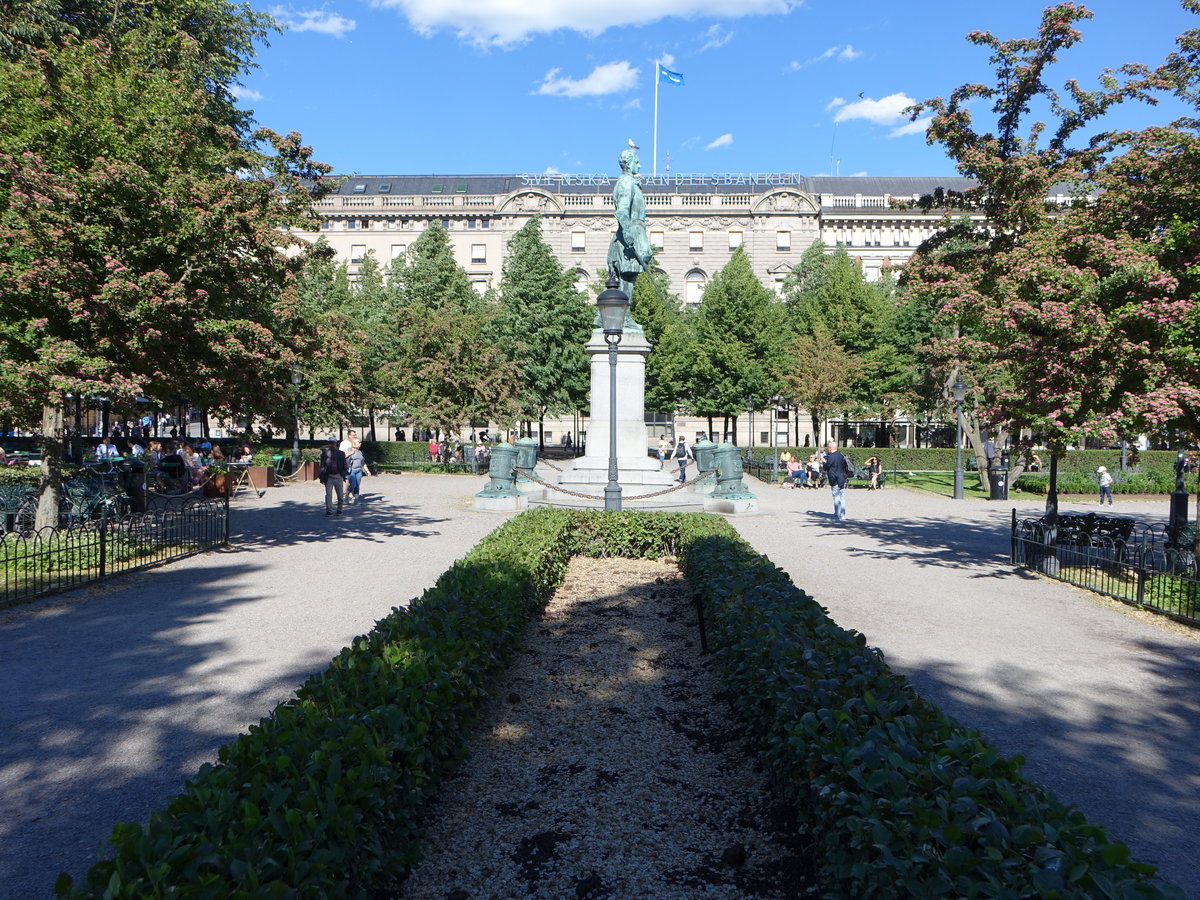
(54, 559)
(1136, 564)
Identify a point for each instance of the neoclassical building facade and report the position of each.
(694, 221)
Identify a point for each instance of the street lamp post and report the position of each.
(612, 304)
(959, 390)
(297, 379)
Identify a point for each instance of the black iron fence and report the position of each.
(1144, 564)
(54, 559)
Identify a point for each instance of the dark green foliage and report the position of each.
(899, 800)
(321, 798)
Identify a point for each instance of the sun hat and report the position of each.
(1101, 469)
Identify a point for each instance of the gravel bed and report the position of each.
(610, 764)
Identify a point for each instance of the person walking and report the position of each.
(356, 467)
(1106, 481)
(332, 473)
(837, 472)
(664, 447)
(682, 454)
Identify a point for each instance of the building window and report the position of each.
(582, 282)
(735, 240)
(485, 223)
(364, 224)
(480, 287)
(696, 241)
(351, 223)
(385, 188)
(357, 252)
(360, 188)
(578, 241)
(693, 287)
(446, 224)
(398, 250)
(657, 240)
(783, 241)
(460, 189)
(764, 437)
(472, 223)
(436, 189)
(478, 253)
(326, 224)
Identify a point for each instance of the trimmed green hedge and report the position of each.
(321, 798)
(900, 800)
(1155, 482)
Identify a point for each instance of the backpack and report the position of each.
(681, 450)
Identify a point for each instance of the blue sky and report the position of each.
(393, 87)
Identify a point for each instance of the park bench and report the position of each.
(1079, 529)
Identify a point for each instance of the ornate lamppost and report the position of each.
(959, 390)
(297, 380)
(612, 303)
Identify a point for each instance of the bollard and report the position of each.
(527, 449)
(703, 450)
(501, 471)
(729, 475)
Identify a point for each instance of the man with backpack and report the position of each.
(838, 470)
(332, 472)
(681, 455)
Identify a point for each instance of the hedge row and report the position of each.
(320, 799)
(1154, 482)
(899, 799)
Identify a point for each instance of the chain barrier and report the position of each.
(532, 476)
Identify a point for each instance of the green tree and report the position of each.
(446, 370)
(668, 329)
(143, 230)
(821, 376)
(740, 342)
(543, 323)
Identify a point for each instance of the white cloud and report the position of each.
(884, 111)
(505, 22)
(551, 170)
(862, 174)
(635, 103)
(843, 53)
(715, 38)
(723, 141)
(667, 60)
(317, 20)
(241, 92)
(611, 78)
(917, 127)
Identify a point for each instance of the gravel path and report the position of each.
(610, 764)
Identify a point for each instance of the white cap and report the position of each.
(1102, 469)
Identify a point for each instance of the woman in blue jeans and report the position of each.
(357, 465)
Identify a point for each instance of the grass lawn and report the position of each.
(943, 483)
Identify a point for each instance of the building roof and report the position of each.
(683, 183)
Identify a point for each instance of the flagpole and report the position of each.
(657, 77)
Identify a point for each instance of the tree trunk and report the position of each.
(734, 433)
(1052, 491)
(816, 428)
(50, 487)
(975, 443)
(371, 422)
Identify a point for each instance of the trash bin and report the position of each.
(998, 477)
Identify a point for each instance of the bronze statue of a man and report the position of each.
(629, 253)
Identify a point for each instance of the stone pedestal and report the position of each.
(637, 472)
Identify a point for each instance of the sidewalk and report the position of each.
(1103, 703)
(119, 692)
